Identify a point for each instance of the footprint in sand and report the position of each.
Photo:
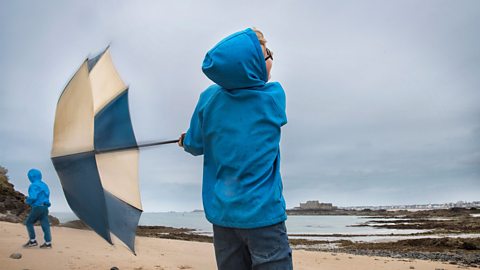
(184, 267)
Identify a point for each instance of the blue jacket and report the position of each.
(38, 192)
(236, 126)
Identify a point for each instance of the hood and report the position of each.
(237, 61)
(34, 175)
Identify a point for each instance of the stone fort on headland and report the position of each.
(315, 205)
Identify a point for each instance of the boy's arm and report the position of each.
(32, 194)
(193, 140)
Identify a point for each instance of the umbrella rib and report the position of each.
(135, 147)
(157, 143)
(122, 148)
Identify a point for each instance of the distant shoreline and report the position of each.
(381, 212)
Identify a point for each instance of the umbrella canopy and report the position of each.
(95, 152)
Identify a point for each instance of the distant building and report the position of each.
(415, 207)
(315, 205)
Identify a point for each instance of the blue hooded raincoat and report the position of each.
(236, 126)
(38, 192)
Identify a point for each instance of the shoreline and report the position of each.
(83, 249)
(449, 235)
(456, 249)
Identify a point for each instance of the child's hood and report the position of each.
(236, 62)
(34, 175)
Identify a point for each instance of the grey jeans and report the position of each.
(264, 248)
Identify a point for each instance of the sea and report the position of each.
(307, 227)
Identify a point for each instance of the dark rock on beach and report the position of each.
(445, 244)
(75, 224)
(457, 251)
(16, 256)
(53, 221)
(461, 222)
(456, 258)
(172, 233)
(451, 249)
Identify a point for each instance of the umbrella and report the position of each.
(95, 152)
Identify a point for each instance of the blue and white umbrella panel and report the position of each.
(95, 152)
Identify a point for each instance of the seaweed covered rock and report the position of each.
(12, 203)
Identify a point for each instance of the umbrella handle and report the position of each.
(136, 147)
(157, 143)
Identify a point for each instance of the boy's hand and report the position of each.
(180, 140)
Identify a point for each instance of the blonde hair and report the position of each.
(260, 36)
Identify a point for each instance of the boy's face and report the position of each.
(268, 62)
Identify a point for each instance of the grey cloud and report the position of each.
(382, 97)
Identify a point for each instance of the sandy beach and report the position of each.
(82, 249)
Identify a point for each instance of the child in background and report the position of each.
(38, 199)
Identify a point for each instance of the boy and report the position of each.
(236, 126)
(38, 199)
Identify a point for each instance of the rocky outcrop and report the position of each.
(12, 203)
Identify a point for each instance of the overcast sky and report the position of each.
(383, 97)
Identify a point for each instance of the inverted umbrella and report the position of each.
(95, 152)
